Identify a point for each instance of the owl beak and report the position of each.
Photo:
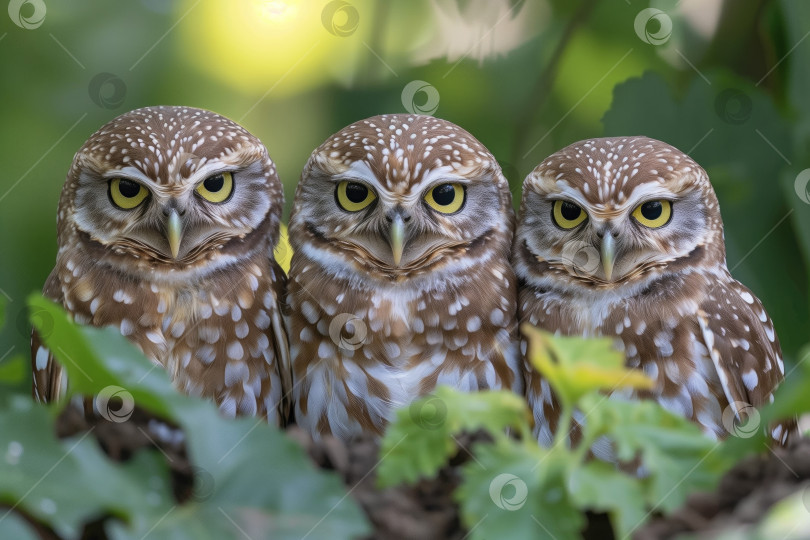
(608, 252)
(397, 237)
(174, 232)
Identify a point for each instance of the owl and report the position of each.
(622, 237)
(166, 227)
(400, 278)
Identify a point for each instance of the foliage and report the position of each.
(515, 486)
(248, 476)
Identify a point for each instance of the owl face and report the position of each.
(401, 194)
(166, 188)
(615, 211)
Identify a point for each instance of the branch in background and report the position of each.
(545, 81)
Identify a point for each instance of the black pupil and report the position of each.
(128, 188)
(214, 183)
(652, 210)
(444, 194)
(570, 211)
(356, 193)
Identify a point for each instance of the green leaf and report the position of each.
(601, 486)
(42, 475)
(254, 477)
(14, 526)
(575, 366)
(676, 457)
(420, 440)
(517, 491)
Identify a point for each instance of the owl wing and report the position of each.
(743, 346)
(49, 381)
(281, 344)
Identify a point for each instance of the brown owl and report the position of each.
(400, 277)
(166, 228)
(622, 237)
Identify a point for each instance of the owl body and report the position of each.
(190, 281)
(372, 330)
(640, 257)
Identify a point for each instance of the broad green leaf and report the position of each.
(676, 457)
(253, 477)
(575, 366)
(14, 526)
(42, 475)
(517, 490)
(420, 440)
(600, 486)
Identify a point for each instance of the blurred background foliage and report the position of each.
(725, 81)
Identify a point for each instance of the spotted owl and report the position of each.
(622, 237)
(400, 277)
(166, 227)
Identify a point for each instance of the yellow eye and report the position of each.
(567, 214)
(354, 196)
(446, 198)
(217, 188)
(126, 194)
(653, 214)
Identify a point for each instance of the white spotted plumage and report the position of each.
(661, 289)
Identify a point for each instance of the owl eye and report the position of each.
(217, 188)
(353, 196)
(446, 198)
(567, 215)
(126, 194)
(653, 214)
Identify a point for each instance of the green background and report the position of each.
(728, 84)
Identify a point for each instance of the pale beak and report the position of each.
(608, 254)
(397, 238)
(174, 232)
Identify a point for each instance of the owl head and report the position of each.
(168, 190)
(400, 195)
(609, 212)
